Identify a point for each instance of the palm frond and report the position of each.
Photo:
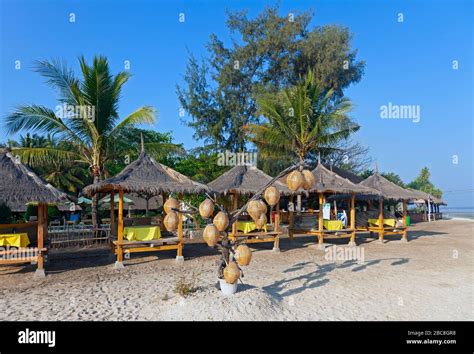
(38, 157)
(143, 115)
(38, 119)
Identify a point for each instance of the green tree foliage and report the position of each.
(158, 145)
(267, 54)
(301, 121)
(91, 126)
(423, 183)
(200, 166)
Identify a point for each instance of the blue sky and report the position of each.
(408, 63)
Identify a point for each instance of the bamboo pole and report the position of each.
(291, 219)
(320, 220)
(404, 235)
(277, 217)
(276, 244)
(234, 200)
(40, 235)
(112, 213)
(380, 219)
(352, 220)
(119, 262)
(179, 253)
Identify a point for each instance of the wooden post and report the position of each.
(352, 219)
(119, 263)
(380, 219)
(291, 219)
(404, 235)
(277, 217)
(40, 235)
(320, 220)
(179, 253)
(234, 201)
(276, 228)
(112, 213)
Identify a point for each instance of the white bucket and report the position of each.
(228, 289)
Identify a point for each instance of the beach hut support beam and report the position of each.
(320, 221)
(234, 198)
(380, 220)
(112, 213)
(352, 221)
(404, 235)
(119, 262)
(179, 251)
(41, 236)
(291, 219)
(276, 245)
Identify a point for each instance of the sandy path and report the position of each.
(429, 278)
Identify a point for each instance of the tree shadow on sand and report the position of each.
(318, 277)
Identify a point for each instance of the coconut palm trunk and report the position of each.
(298, 197)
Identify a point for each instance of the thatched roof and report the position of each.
(426, 196)
(19, 185)
(330, 182)
(244, 179)
(145, 175)
(388, 189)
(347, 174)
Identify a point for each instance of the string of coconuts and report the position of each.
(256, 208)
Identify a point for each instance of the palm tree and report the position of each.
(87, 117)
(301, 121)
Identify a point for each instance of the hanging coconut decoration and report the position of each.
(170, 204)
(309, 179)
(243, 255)
(231, 273)
(254, 209)
(272, 196)
(221, 221)
(206, 208)
(211, 235)
(295, 180)
(261, 221)
(171, 221)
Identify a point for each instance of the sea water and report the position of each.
(457, 212)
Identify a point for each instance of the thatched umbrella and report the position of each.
(245, 180)
(145, 176)
(19, 186)
(329, 182)
(390, 191)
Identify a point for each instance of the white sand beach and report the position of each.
(429, 278)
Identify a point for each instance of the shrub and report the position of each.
(185, 287)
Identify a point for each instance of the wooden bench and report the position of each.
(329, 234)
(258, 237)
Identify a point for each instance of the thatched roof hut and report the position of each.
(328, 181)
(19, 185)
(243, 179)
(426, 196)
(388, 189)
(145, 175)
